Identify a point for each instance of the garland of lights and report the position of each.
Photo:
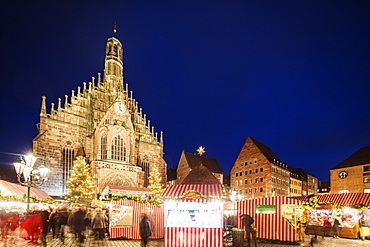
(125, 197)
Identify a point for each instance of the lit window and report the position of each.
(366, 190)
(366, 179)
(343, 191)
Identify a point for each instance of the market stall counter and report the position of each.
(320, 222)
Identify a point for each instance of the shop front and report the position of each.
(194, 215)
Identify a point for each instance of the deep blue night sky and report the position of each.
(295, 75)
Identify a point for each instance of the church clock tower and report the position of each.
(113, 71)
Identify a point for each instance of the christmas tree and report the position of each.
(155, 186)
(81, 186)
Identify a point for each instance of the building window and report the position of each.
(246, 173)
(255, 161)
(246, 181)
(366, 179)
(250, 171)
(261, 180)
(67, 164)
(117, 148)
(255, 190)
(145, 166)
(240, 173)
(366, 168)
(261, 169)
(366, 190)
(261, 189)
(250, 191)
(236, 174)
(103, 147)
(256, 180)
(343, 191)
(256, 171)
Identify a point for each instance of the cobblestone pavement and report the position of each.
(90, 242)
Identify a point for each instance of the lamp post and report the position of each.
(28, 175)
(234, 197)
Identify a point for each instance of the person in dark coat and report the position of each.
(99, 223)
(77, 220)
(336, 227)
(145, 230)
(247, 222)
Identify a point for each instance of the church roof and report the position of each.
(114, 38)
(194, 160)
(360, 157)
(269, 154)
(200, 175)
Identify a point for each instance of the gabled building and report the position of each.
(353, 174)
(104, 119)
(258, 172)
(189, 161)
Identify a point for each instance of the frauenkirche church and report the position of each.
(103, 122)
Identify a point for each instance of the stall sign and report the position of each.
(193, 214)
(324, 206)
(265, 209)
(120, 216)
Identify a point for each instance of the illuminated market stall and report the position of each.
(193, 211)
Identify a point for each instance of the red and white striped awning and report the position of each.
(209, 191)
(7, 188)
(344, 199)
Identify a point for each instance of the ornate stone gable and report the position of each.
(102, 117)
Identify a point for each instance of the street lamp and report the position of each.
(28, 175)
(235, 197)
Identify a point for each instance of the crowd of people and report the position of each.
(80, 221)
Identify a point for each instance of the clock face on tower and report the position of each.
(120, 107)
(343, 174)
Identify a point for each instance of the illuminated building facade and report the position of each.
(353, 174)
(102, 121)
(258, 172)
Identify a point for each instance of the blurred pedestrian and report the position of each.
(250, 232)
(99, 223)
(336, 227)
(77, 221)
(145, 229)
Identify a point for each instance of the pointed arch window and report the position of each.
(103, 147)
(145, 166)
(67, 164)
(117, 148)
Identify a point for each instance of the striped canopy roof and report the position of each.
(7, 188)
(345, 199)
(207, 190)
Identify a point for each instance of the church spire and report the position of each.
(114, 66)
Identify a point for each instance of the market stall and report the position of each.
(125, 216)
(194, 215)
(320, 221)
(274, 217)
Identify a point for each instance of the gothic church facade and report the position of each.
(103, 122)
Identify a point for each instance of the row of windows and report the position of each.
(279, 191)
(256, 190)
(297, 183)
(248, 163)
(280, 171)
(280, 181)
(256, 180)
(239, 174)
(296, 191)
